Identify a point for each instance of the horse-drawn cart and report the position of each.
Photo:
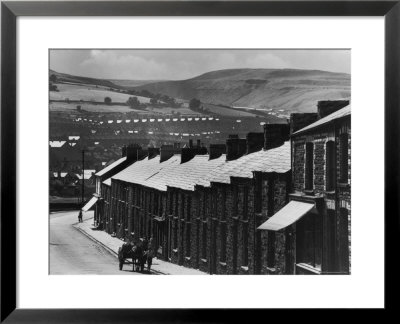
(138, 255)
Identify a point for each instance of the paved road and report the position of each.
(71, 252)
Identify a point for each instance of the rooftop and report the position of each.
(186, 175)
(140, 171)
(331, 117)
(111, 166)
(274, 160)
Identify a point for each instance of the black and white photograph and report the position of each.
(199, 161)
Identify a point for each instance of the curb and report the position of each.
(111, 251)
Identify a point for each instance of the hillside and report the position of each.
(275, 89)
(83, 80)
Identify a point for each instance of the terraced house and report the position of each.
(266, 204)
(314, 227)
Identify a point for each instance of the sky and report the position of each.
(178, 64)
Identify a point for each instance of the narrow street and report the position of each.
(71, 252)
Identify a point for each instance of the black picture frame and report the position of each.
(10, 11)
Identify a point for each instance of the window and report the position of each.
(309, 166)
(155, 204)
(176, 204)
(204, 205)
(182, 206)
(171, 203)
(223, 213)
(245, 203)
(245, 247)
(161, 212)
(215, 201)
(204, 242)
(189, 209)
(258, 194)
(344, 157)
(175, 234)
(235, 201)
(309, 235)
(223, 242)
(188, 237)
(330, 166)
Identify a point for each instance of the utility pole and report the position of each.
(83, 176)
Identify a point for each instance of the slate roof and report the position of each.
(140, 171)
(202, 171)
(331, 117)
(186, 175)
(274, 160)
(111, 166)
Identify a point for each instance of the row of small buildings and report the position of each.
(275, 202)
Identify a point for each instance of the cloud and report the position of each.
(111, 64)
(178, 64)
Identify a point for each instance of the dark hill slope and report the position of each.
(289, 89)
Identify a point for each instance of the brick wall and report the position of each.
(211, 229)
(337, 199)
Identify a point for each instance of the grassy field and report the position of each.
(67, 107)
(168, 111)
(227, 111)
(89, 93)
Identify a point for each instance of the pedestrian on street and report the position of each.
(150, 253)
(80, 216)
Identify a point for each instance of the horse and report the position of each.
(134, 252)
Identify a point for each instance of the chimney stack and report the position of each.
(275, 135)
(327, 107)
(216, 150)
(188, 153)
(132, 152)
(301, 120)
(255, 142)
(167, 151)
(235, 147)
(153, 152)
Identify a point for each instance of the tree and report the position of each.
(53, 87)
(107, 100)
(194, 104)
(153, 101)
(133, 102)
(53, 78)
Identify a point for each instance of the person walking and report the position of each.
(150, 253)
(80, 216)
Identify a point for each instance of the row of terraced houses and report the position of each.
(275, 202)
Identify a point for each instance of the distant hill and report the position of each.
(132, 83)
(116, 84)
(84, 80)
(276, 89)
